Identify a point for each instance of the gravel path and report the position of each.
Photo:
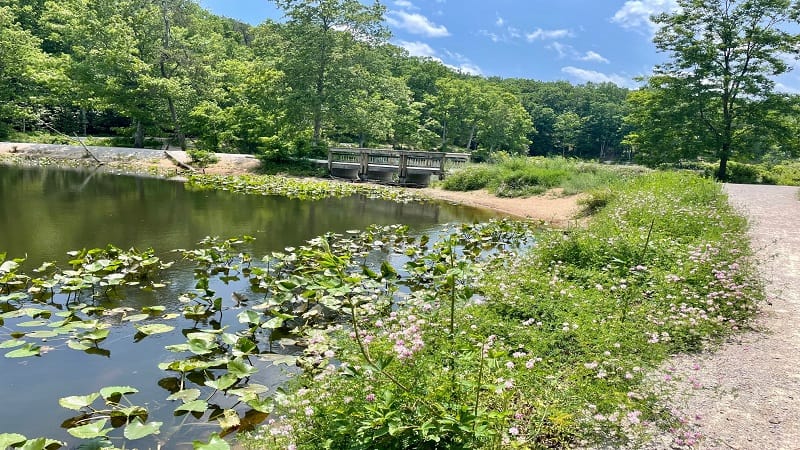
(746, 395)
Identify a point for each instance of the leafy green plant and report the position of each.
(520, 177)
(202, 158)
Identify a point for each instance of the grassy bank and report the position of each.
(521, 177)
(541, 348)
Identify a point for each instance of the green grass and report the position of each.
(523, 177)
(550, 348)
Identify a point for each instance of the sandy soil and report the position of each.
(556, 209)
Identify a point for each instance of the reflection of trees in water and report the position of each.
(46, 212)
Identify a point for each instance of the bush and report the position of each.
(520, 176)
(546, 348)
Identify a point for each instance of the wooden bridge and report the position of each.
(403, 166)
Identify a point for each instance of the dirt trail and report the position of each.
(750, 387)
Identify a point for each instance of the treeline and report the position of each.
(326, 75)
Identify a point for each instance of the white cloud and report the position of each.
(418, 48)
(583, 75)
(466, 68)
(635, 14)
(499, 22)
(540, 34)
(780, 87)
(562, 49)
(591, 56)
(494, 37)
(405, 4)
(415, 24)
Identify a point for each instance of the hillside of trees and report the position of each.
(325, 75)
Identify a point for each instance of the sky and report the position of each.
(574, 40)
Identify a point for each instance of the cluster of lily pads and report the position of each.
(294, 295)
(299, 188)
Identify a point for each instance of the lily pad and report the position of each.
(154, 328)
(214, 443)
(111, 391)
(11, 343)
(77, 402)
(240, 368)
(186, 395)
(136, 317)
(90, 430)
(193, 406)
(9, 439)
(138, 429)
(25, 351)
(223, 382)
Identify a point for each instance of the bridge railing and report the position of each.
(403, 161)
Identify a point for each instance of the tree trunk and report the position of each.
(166, 75)
(84, 121)
(471, 136)
(138, 136)
(722, 172)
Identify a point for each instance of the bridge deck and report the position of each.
(402, 162)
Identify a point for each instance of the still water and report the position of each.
(46, 212)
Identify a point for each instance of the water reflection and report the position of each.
(46, 212)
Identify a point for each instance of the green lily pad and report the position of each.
(78, 345)
(157, 309)
(249, 316)
(223, 382)
(240, 368)
(138, 429)
(9, 439)
(90, 430)
(77, 402)
(186, 395)
(111, 391)
(25, 351)
(154, 328)
(214, 443)
(193, 406)
(11, 343)
(43, 334)
(41, 444)
(32, 323)
(95, 335)
(136, 317)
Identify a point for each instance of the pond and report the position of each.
(46, 212)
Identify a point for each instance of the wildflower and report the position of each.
(309, 411)
(514, 431)
(509, 365)
(591, 365)
(370, 397)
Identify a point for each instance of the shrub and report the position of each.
(547, 348)
(521, 176)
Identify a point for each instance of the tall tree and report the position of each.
(320, 37)
(25, 71)
(723, 57)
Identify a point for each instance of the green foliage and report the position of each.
(715, 99)
(202, 158)
(545, 349)
(786, 173)
(519, 177)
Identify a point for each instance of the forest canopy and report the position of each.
(324, 75)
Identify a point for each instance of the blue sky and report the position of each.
(573, 40)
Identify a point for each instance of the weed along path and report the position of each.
(747, 394)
